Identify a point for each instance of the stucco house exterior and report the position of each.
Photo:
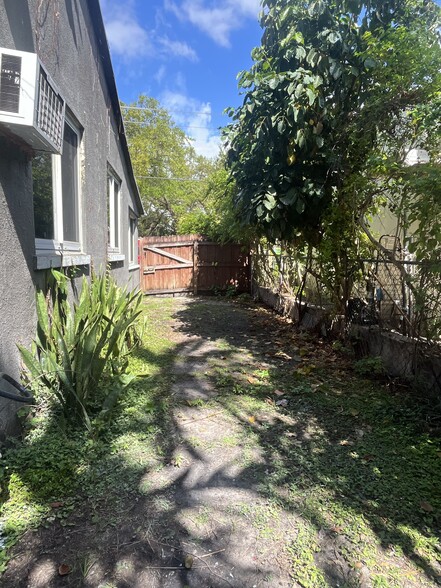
(68, 196)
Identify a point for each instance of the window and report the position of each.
(56, 195)
(133, 241)
(113, 211)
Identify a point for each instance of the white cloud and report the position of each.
(127, 38)
(178, 49)
(216, 20)
(250, 8)
(160, 74)
(194, 117)
(130, 40)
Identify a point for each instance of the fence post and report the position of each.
(195, 266)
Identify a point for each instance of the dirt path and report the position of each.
(200, 505)
(214, 502)
(256, 479)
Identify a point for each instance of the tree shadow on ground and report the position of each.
(141, 513)
(360, 444)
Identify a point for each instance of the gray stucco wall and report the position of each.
(16, 275)
(67, 47)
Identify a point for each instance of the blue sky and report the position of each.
(186, 54)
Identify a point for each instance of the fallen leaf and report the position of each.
(278, 392)
(252, 380)
(188, 562)
(426, 506)
(337, 529)
(64, 569)
(345, 442)
(56, 504)
(358, 565)
(354, 412)
(252, 419)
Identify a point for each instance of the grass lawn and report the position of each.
(354, 459)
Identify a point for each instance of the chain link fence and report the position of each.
(390, 289)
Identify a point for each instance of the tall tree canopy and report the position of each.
(217, 218)
(171, 176)
(339, 91)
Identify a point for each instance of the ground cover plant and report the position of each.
(256, 451)
(59, 462)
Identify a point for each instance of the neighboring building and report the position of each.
(68, 197)
(396, 298)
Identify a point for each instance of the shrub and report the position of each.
(76, 348)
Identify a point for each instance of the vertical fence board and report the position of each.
(188, 263)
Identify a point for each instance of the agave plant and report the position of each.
(77, 346)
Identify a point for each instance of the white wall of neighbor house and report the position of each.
(77, 231)
(387, 223)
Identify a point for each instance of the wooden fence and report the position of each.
(189, 263)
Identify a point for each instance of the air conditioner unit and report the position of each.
(30, 105)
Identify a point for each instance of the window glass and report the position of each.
(43, 196)
(113, 210)
(56, 190)
(132, 238)
(109, 213)
(116, 188)
(69, 184)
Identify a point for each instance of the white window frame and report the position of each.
(58, 244)
(133, 240)
(114, 229)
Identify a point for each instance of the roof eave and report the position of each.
(100, 32)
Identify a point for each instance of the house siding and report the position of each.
(64, 37)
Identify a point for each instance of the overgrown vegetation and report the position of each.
(342, 99)
(182, 192)
(358, 459)
(80, 354)
(172, 177)
(355, 462)
(60, 467)
(338, 94)
(218, 219)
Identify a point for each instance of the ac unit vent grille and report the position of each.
(10, 78)
(50, 113)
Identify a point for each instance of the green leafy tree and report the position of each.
(335, 87)
(216, 217)
(338, 94)
(171, 176)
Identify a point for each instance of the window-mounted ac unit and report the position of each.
(30, 105)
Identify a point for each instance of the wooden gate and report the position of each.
(189, 263)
